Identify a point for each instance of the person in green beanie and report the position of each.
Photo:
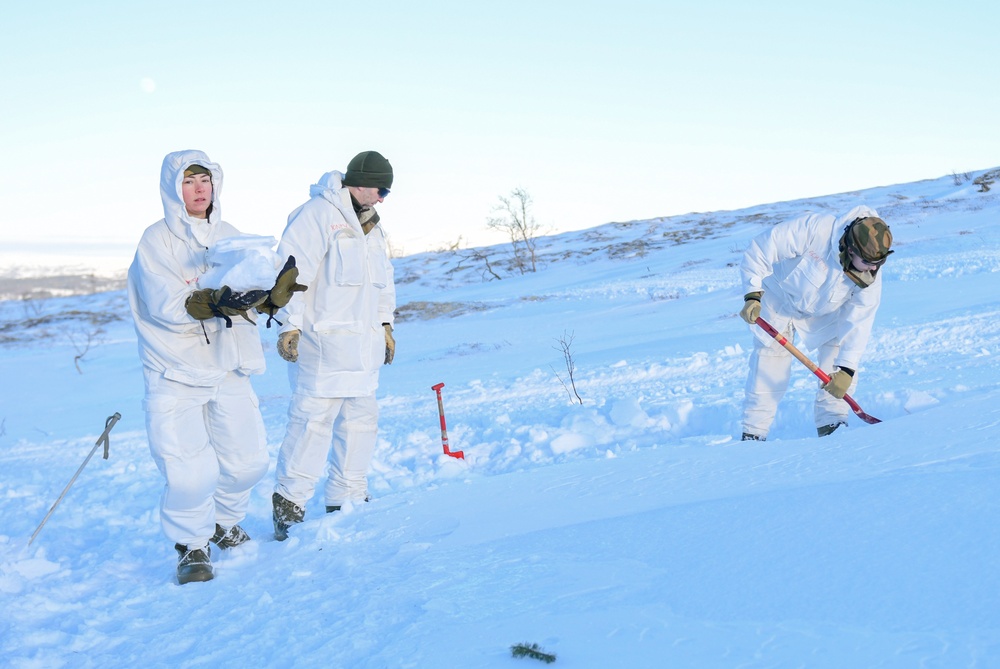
(816, 276)
(336, 337)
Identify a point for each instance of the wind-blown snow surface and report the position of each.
(633, 530)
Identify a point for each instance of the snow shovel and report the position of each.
(444, 429)
(823, 376)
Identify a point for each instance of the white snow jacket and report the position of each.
(797, 266)
(169, 261)
(350, 294)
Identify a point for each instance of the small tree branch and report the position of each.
(565, 342)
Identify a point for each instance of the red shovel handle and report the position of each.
(444, 428)
(823, 376)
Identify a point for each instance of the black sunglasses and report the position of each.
(382, 192)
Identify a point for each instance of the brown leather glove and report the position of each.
(840, 382)
(751, 307)
(288, 345)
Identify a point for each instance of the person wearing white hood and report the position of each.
(817, 276)
(198, 349)
(338, 334)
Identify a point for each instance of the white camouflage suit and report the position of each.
(350, 295)
(205, 430)
(805, 292)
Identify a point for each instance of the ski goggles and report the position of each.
(864, 264)
(871, 264)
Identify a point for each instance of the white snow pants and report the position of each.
(210, 445)
(345, 428)
(770, 371)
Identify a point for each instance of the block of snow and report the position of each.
(242, 262)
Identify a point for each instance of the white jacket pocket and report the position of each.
(350, 269)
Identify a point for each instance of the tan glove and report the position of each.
(751, 307)
(288, 345)
(840, 382)
(390, 344)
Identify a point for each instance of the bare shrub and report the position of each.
(515, 220)
(477, 256)
(83, 339)
(565, 342)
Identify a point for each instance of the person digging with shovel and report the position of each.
(816, 276)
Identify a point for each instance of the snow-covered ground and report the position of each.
(632, 530)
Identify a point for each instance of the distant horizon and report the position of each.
(110, 256)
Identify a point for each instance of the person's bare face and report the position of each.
(197, 192)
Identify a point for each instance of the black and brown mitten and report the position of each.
(280, 295)
(223, 303)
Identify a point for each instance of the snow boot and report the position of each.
(286, 514)
(194, 564)
(827, 430)
(230, 538)
(752, 437)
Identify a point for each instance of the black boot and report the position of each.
(827, 430)
(230, 538)
(752, 437)
(285, 515)
(194, 565)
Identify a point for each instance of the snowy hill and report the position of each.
(632, 530)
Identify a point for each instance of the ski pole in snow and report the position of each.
(823, 376)
(444, 429)
(102, 440)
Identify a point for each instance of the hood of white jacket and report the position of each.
(201, 230)
(861, 211)
(330, 187)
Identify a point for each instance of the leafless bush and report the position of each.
(453, 246)
(477, 256)
(32, 306)
(516, 221)
(565, 342)
(958, 179)
(83, 339)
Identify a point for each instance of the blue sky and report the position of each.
(602, 111)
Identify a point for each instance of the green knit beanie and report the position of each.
(369, 169)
